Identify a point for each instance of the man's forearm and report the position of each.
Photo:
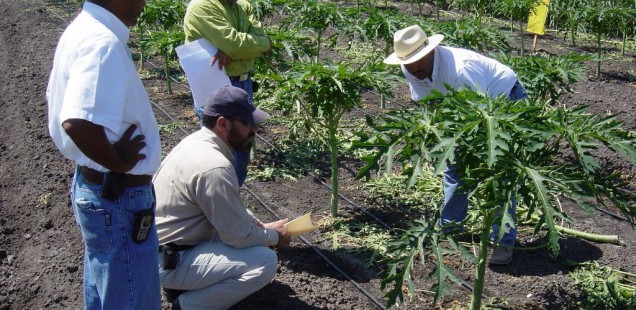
(91, 140)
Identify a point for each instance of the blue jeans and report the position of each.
(118, 273)
(456, 203)
(241, 159)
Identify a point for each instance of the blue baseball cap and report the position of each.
(231, 101)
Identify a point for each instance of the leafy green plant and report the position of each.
(366, 238)
(504, 149)
(158, 15)
(264, 8)
(392, 191)
(164, 43)
(171, 127)
(604, 287)
(321, 93)
(517, 10)
(468, 33)
(316, 16)
(547, 77)
(600, 20)
(378, 27)
(480, 8)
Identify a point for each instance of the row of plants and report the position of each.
(317, 90)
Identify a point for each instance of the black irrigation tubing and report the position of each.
(322, 255)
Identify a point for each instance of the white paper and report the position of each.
(203, 78)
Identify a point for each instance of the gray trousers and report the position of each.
(216, 276)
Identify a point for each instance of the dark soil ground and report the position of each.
(41, 249)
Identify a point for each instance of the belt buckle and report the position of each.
(244, 77)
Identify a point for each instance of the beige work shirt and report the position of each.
(198, 197)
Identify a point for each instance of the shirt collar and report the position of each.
(109, 20)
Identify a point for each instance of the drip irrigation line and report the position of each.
(356, 207)
(321, 254)
(614, 215)
(169, 116)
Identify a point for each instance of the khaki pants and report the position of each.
(217, 276)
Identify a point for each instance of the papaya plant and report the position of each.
(517, 10)
(321, 93)
(164, 42)
(505, 149)
(468, 33)
(158, 15)
(547, 77)
(317, 17)
(378, 27)
(264, 8)
(600, 20)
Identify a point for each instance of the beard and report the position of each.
(238, 142)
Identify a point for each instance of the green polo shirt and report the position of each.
(231, 28)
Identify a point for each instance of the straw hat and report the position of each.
(411, 44)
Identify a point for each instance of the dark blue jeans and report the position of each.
(241, 159)
(456, 203)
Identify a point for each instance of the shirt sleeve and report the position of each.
(209, 20)
(97, 86)
(219, 198)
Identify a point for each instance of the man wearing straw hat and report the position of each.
(214, 252)
(428, 66)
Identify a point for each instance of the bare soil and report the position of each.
(41, 248)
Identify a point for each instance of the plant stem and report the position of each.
(613, 239)
(166, 71)
(475, 302)
(598, 48)
(333, 147)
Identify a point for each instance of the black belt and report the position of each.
(95, 177)
(177, 247)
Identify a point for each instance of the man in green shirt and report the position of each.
(230, 26)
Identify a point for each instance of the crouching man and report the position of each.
(214, 252)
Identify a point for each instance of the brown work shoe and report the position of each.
(501, 255)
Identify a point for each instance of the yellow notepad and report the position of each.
(301, 225)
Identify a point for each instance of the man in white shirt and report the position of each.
(215, 252)
(428, 66)
(100, 117)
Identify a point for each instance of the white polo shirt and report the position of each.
(93, 78)
(461, 68)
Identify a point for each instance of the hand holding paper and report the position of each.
(301, 225)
